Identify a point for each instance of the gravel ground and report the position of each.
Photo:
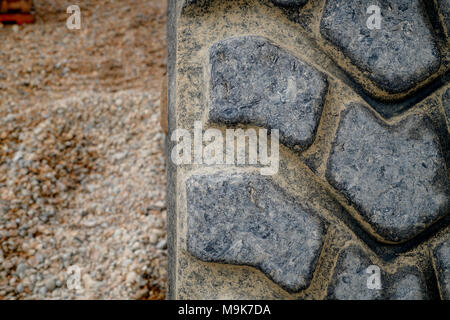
(82, 182)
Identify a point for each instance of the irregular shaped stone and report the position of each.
(394, 175)
(290, 3)
(409, 287)
(444, 7)
(245, 219)
(399, 55)
(350, 280)
(442, 263)
(350, 277)
(256, 82)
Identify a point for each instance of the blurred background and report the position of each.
(82, 174)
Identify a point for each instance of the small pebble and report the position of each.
(19, 288)
(50, 284)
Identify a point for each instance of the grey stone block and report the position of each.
(399, 55)
(350, 277)
(394, 175)
(350, 280)
(256, 82)
(245, 219)
(408, 287)
(442, 263)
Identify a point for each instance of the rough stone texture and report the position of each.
(399, 55)
(350, 277)
(395, 175)
(349, 281)
(254, 81)
(444, 7)
(194, 31)
(446, 104)
(290, 3)
(442, 262)
(408, 287)
(246, 219)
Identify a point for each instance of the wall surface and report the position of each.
(362, 113)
